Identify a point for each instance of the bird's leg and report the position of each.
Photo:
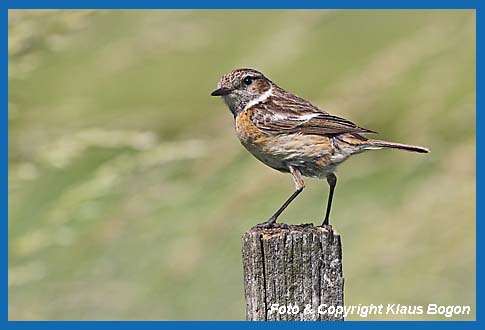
(332, 182)
(299, 185)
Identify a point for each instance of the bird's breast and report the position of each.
(311, 153)
(246, 131)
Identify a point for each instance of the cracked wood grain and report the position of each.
(295, 266)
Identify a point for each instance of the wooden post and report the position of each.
(295, 270)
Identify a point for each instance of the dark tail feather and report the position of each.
(385, 144)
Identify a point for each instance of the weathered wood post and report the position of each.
(295, 266)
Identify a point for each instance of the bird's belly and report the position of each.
(311, 154)
(314, 155)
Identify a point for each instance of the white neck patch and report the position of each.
(260, 99)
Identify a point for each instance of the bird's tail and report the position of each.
(385, 144)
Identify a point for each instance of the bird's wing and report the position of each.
(283, 116)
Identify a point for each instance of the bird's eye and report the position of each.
(247, 81)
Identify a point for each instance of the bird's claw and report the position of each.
(327, 227)
(271, 224)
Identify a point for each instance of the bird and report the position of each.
(291, 135)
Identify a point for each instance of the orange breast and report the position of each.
(310, 153)
(245, 129)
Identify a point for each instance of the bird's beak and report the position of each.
(221, 91)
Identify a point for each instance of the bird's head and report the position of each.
(242, 87)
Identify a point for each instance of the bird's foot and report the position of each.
(325, 225)
(270, 224)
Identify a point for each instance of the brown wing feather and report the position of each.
(283, 115)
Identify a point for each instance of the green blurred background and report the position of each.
(129, 191)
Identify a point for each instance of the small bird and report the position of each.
(292, 135)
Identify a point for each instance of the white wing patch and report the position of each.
(284, 116)
(308, 116)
